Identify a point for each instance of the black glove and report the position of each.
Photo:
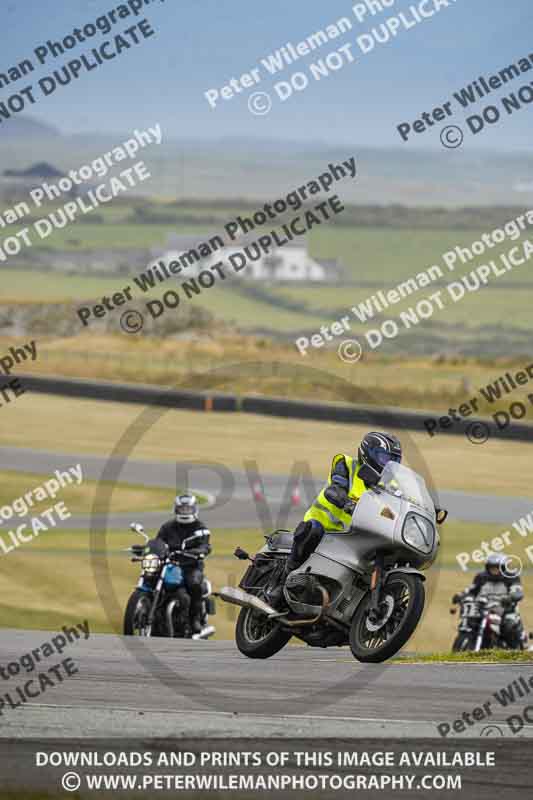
(336, 495)
(456, 598)
(349, 506)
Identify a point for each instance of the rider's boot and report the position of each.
(196, 624)
(196, 613)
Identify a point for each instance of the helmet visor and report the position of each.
(185, 509)
(382, 457)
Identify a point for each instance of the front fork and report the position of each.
(155, 602)
(481, 634)
(376, 585)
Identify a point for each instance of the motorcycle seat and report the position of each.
(280, 540)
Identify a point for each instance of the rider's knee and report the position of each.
(195, 587)
(184, 598)
(317, 528)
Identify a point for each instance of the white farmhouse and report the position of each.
(290, 263)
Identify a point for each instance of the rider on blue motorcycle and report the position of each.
(174, 532)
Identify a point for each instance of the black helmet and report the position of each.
(377, 449)
(186, 508)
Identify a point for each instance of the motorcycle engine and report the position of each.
(303, 593)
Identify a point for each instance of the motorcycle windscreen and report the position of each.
(400, 481)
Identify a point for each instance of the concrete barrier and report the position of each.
(376, 417)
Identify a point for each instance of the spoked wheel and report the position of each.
(376, 640)
(257, 636)
(137, 615)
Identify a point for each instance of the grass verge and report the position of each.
(79, 499)
(484, 657)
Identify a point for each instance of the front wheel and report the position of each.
(463, 642)
(257, 636)
(137, 615)
(400, 612)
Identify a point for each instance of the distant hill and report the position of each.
(40, 170)
(22, 127)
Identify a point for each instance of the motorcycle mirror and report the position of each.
(137, 528)
(241, 554)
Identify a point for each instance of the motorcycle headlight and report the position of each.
(419, 533)
(151, 563)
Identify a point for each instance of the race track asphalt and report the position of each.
(160, 687)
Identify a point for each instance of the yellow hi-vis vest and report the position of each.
(331, 516)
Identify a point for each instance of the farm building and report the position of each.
(291, 263)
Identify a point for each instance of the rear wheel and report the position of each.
(400, 612)
(257, 636)
(137, 614)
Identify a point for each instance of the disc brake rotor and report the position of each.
(387, 607)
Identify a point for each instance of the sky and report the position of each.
(201, 44)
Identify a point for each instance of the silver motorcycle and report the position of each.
(363, 586)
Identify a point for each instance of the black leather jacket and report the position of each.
(174, 533)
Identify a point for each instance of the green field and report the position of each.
(484, 316)
(34, 286)
(493, 321)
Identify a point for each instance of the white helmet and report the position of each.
(186, 508)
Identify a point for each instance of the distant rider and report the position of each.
(497, 583)
(174, 532)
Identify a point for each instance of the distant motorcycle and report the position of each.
(155, 607)
(361, 587)
(480, 623)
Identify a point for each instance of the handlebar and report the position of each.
(176, 554)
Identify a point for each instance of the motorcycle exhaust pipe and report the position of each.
(170, 622)
(239, 597)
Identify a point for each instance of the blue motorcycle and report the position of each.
(159, 606)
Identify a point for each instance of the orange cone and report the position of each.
(296, 497)
(257, 491)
